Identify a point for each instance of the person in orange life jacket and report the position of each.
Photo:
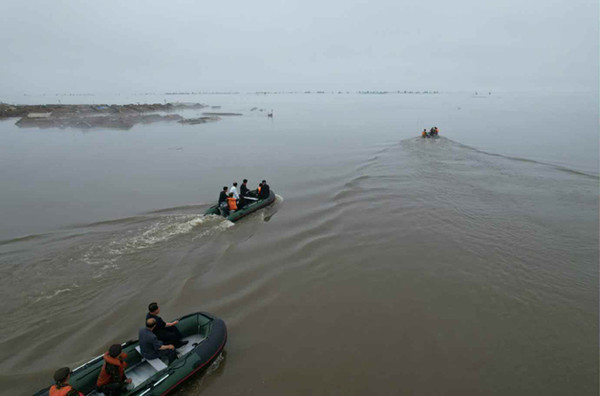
(265, 191)
(150, 347)
(232, 203)
(424, 133)
(112, 380)
(166, 332)
(62, 387)
(259, 188)
(436, 130)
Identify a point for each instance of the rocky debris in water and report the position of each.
(104, 121)
(199, 120)
(93, 116)
(222, 114)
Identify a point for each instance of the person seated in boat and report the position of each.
(150, 346)
(61, 386)
(166, 332)
(431, 131)
(436, 130)
(424, 133)
(223, 195)
(112, 380)
(265, 191)
(231, 203)
(223, 201)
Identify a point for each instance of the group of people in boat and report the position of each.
(432, 132)
(230, 200)
(157, 340)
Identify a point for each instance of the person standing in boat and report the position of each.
(265, 191)
(243, 193)
(233, 190)
(166, 332)
(150, 347)
(62, 387)
(112, 380)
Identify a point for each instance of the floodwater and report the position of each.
(389, 264)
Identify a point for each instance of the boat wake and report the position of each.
(151, 234)
(67, 260)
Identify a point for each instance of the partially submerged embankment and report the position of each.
(96, 115)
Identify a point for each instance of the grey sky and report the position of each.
(157, 46)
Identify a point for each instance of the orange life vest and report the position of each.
(259, 188)
(232, 203)
(104, 377)
(423, 133)
(63, 391)
(436, 130)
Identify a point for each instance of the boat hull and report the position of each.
(210, 333)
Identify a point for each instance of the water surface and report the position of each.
(389, 264)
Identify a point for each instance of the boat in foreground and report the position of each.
(246, 210)
(206, 336)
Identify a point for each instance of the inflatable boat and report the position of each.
(251, 207)
(206, 336)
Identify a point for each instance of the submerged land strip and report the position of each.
(101, 115)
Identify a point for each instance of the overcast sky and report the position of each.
(157, 46)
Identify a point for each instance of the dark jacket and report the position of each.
(265, 191)
(223, 197)
(243, 190)
(149, 344)
(160, 324)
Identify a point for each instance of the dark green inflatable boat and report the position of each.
(207, 336)
(246, 210)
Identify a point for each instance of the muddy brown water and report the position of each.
(389, 264)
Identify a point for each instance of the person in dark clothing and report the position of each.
(265, 191)
(166, 332)
(112, 380)
(150, 347)
(243, 193)
(223, 195)
(223, 202)
(244, 187)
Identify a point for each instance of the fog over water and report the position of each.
(148, 46)
(389, 264)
